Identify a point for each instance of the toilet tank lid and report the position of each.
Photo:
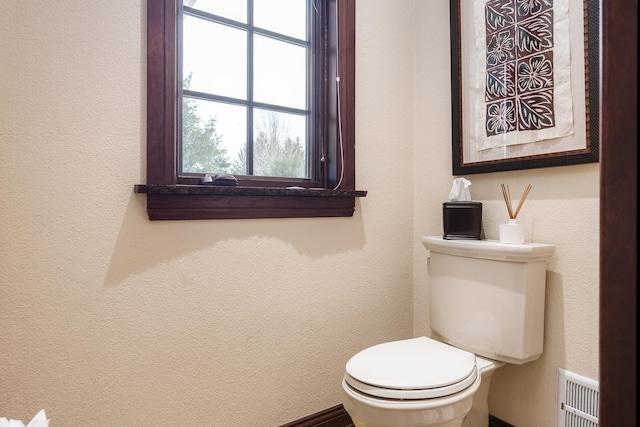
(490, 249)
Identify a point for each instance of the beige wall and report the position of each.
(109, 319)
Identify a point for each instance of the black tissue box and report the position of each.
(462, 220)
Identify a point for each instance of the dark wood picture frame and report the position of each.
(459, 94)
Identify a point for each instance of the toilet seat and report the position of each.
(412, 369)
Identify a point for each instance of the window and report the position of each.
(284, 128)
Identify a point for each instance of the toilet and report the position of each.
(486, 310)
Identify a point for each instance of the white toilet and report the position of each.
(486, 309)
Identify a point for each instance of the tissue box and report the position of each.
(462, 220)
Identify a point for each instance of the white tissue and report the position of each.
(460, 191)
(40, 420)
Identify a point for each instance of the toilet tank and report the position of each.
(487, 297)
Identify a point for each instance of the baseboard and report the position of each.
(331, 417)
(338, 417)
(496, 422)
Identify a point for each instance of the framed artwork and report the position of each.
(525, 84)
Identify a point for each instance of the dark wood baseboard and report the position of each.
(337, 417)
(495, 422)
(331, 417)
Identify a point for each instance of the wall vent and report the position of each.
(578, 400)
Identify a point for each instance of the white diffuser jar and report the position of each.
(512, 232)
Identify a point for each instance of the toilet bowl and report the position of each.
(416, 382)
(486, 309)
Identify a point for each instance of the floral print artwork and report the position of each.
(519, 87)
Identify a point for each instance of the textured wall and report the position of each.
(108, 319)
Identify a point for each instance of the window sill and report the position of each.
(188, 202)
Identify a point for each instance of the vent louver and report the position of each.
(578, 400)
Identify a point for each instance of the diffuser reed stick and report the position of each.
(507, 199)
(525, 193)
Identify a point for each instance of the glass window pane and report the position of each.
(214, 58)
(213, 137)
(231, 9)
(280, 73)
(279, 146)
(282, 16)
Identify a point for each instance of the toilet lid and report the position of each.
(417, 368)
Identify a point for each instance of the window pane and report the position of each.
(280, 73)
(279, 144)
(213, 137)
(231, 9)
(214, 58)
(282, 16)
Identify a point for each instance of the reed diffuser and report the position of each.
(512, 232)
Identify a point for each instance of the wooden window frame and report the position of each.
(169, 198)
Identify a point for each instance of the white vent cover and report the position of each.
(578, 400)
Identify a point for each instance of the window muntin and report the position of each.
(230, 9)
(280, 73)
(268, 13)
(203, 140)
(228, 62)
(201, 59)
(279, 147)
